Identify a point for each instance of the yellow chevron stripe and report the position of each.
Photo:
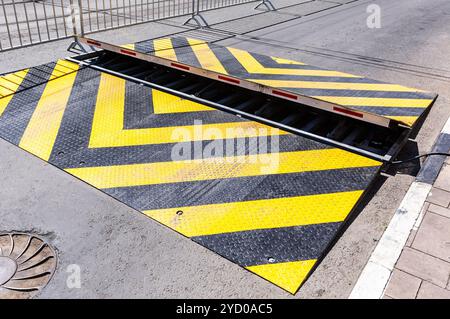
(286, 61)
(9, 84)
(43, 127)
(56, 73)
(257, 214)
(253, 66)
(408, 120)
(205, 56)
(288, 275)
(164, 49)
(62, 68)
(130, 46)
(335, 85)
(375, 101)
(107, 126)
(213, 168)
(167, 103)
(67, 66)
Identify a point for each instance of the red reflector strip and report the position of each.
(285, 94)
(128, 52)
(180, 66)
(348, 112)
(97, 44)
(226, 78)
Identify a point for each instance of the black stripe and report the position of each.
(41, 73)
(78, 151)
(76, 124)
(144, 46)
(268, 62)
(391, 111)
(74, 135)
(258, 247)
(75, 130)
(17, 114)
(147, 46)
(228, 61)
(139, 112)
(244, 188)
(231, 64)
(184, 52)
(234, 67)
(185, 119)
(138, 104)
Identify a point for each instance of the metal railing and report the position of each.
(24, 23)
(29, 22)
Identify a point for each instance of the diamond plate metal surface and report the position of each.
(119, 137)
(352, 92)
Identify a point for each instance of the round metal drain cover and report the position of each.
(27, 263)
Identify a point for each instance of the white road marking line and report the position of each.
(446, 129)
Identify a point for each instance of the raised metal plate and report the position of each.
(334, 91)
(274, 211)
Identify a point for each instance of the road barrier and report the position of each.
(24, 23)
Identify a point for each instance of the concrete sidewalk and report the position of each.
(423, 269)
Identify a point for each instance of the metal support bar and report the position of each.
(199, 20)
(266, 3)
(78, 48)
(80, 15)
(196, 16)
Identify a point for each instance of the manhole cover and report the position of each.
(27, 264)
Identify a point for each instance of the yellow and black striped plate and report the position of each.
(390, 101)
(273, 211)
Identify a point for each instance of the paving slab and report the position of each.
(402, 285)
(439, 197)
(430, 291)
(411, 237)
(443, 180)
(433, 236)
(424, 266)
(439, 210)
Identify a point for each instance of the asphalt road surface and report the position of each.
(122, 253)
